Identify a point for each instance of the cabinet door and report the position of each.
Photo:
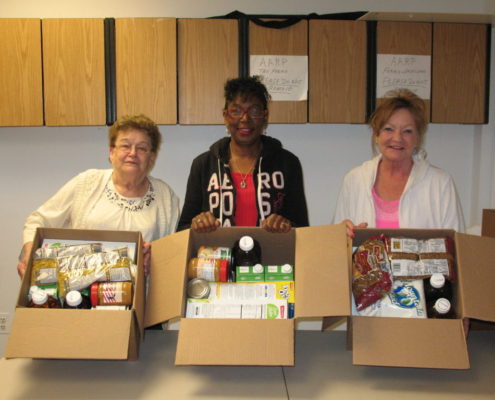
(405, 39)
(459, 88)
(337, 71)
(292, 41)
(74, 71)
(21, 100)
(207, 57)
(146, 68)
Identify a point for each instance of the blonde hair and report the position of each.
(395, 100)
(140, 122)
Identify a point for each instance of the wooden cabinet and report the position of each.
(146, 67)
(405, 39)
(207, 57)
(74, 72)
(290, 41)
(460, 78)
(21, 99)
(337, 71)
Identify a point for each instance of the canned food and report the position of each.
(198, 288)
(219, 253)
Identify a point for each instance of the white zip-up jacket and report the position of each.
(429, 200)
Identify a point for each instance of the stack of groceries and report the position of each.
(404, 277)
(82, 275)
(232, 282)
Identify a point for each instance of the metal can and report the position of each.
(219, 253)
(198, 288)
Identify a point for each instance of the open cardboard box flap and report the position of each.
(477, 275)
(64, 334)
(235, 342)
(322, 272)
(166, 290)
(78, 334)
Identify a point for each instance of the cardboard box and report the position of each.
(430, 343)
(78, 334)
(322, 289)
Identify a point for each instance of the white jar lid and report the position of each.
(39, 297)
(73, 298)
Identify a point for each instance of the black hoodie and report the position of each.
(277, 178)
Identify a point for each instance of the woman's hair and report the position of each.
(140, 122)
(395, 100)
(246, 88)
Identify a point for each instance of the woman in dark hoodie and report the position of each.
(247, 178)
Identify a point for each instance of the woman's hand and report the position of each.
(204, 222)
(24, 258)
(277, 224)
(351, 227)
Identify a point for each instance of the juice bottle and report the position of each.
(246, 252)
(437, 286)
(74, 299)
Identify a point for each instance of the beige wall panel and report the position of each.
(207, 57)
(404, 38)
(337, 59)
(74, 71)
(459, 73)
(287, 41)
(146, 68)
(21, 97)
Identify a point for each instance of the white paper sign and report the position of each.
(402, 71)
(285, 77)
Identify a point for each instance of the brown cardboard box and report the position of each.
(320, 259)
(78, 334)
(430, 343)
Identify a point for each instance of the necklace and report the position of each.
(243, 183)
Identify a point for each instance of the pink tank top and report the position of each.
(387, 212)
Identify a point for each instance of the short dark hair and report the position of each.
(140, 122)
(246, 88)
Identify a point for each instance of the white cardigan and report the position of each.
(71, 205)
(429, 199)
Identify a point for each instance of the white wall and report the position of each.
(37, 161)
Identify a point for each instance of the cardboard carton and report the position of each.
(320, 259)
(488, 223)
(430, 343)
(79, 334)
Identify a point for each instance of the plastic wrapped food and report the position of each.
(371, 273)
(65, 250)
(405, 300)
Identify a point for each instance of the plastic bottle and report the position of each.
(74, 299)
(441, 309)
(246, 252)
(437, 286)
(111, 293)
(40, 299)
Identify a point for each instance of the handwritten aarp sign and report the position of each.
(399, 71)
(285, 77)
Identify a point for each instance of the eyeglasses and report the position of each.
(253, 112)
(126, 148)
